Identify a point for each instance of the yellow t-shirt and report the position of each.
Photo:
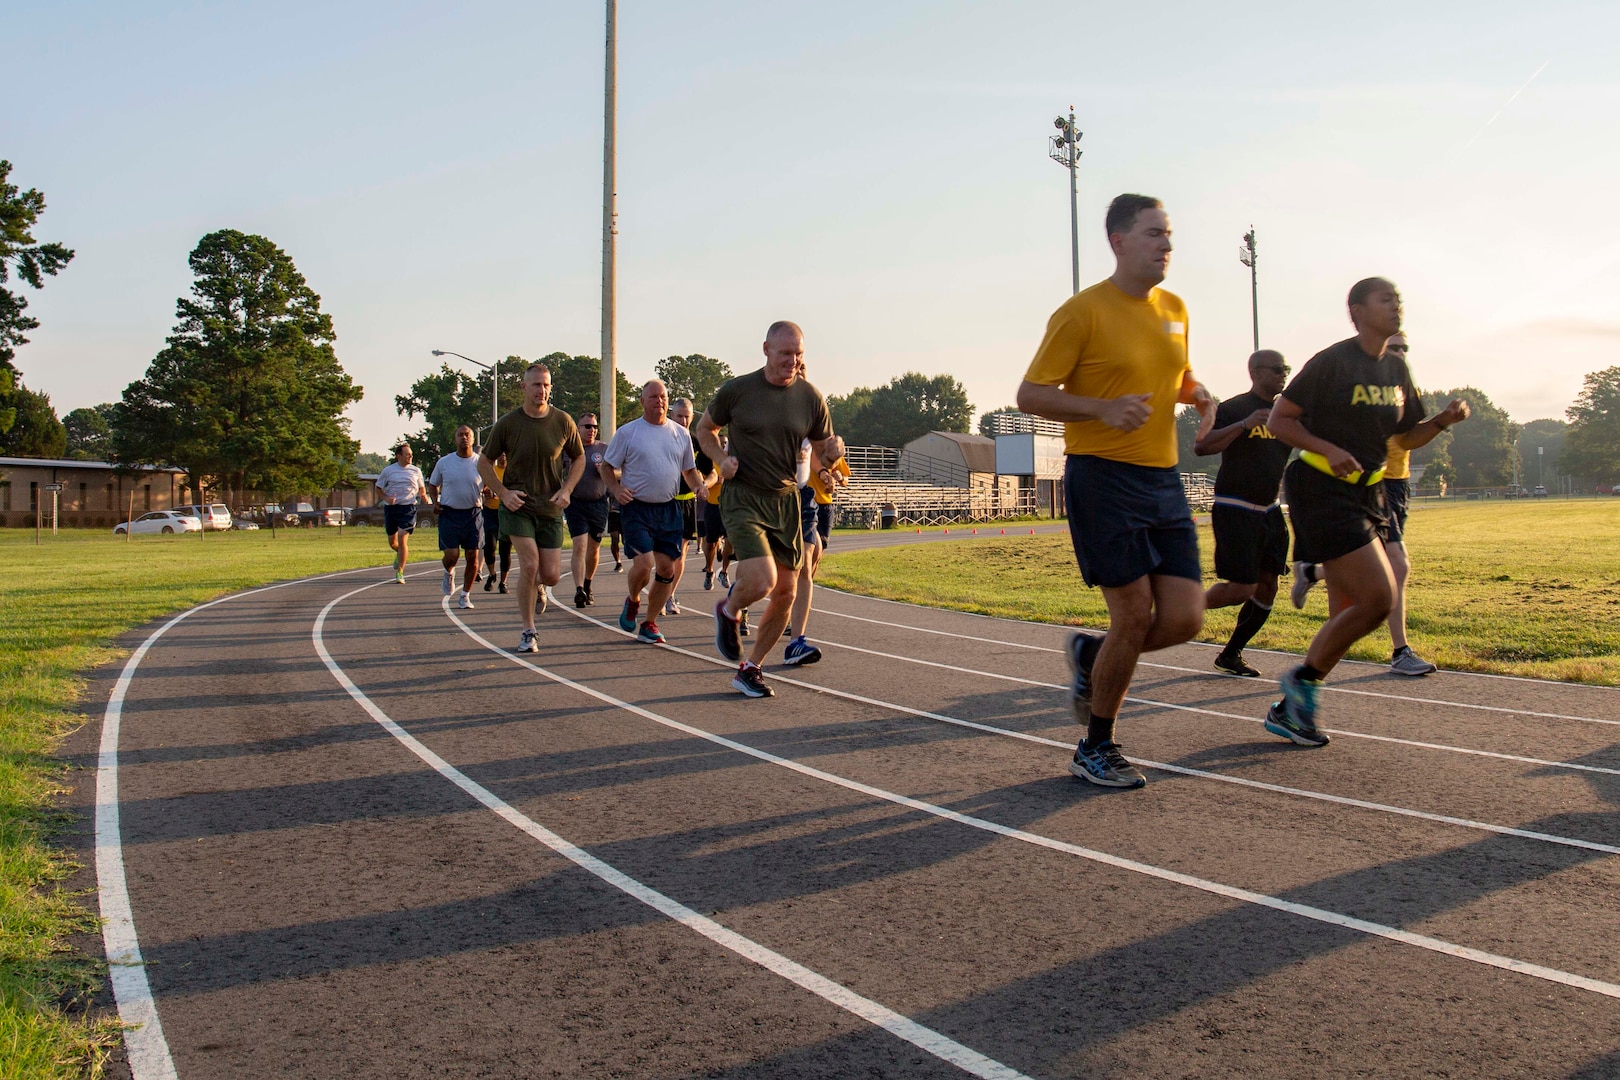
(1398, 463)
(823, 495)
(1105, 343)
(492, 501)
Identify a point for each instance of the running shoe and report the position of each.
(708, 581)
(627, 617)
(751, 682)
(529, 642)
(1105, 766)
(447, 584)
(650, 633)
(800, 652)
(725, 582)
(579, 596)
(787, 632)
(1234, 664)
(502, 589)
(1082, 654)
(618, 567)
(1302, 584)
(742, 623)
(541, 601)
(1294, 717)
(465, 603)
(399, 577)
(672, 606)
(489, 583)
(726, 632)
(1407, 662)
(590, 597)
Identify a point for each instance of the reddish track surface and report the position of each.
(313, 899)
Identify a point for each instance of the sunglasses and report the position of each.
(1281, 369)
(591, 426)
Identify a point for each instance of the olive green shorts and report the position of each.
(546, 532)
(761, 524)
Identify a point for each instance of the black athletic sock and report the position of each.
(1309, 674)
(1099, 731)
(1251, 617)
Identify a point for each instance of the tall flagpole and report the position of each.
(610, 230)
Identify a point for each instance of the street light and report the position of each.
(494, 383)
(1249, 257)
(1066, 151)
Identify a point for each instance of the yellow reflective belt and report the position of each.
(1320, 464)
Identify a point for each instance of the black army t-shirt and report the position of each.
(1252, 466)
(766, 423)
(1356, 401)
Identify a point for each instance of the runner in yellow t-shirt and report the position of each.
(1113, 367)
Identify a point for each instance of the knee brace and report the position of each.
(662, 580)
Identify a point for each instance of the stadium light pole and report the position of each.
(494, 383)
(610, 385)
(1065, 150)
(1249, 257)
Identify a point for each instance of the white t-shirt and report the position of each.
(401, 482)
(456, 477)
(651, 458)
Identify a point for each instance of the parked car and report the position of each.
(159, 521)
(243, 525)
(215, 517)
(305, 514)
(1540, 492)
(427, 515)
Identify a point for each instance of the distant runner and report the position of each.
(492, 533)
(1340, 412)
(680, 411)
(402, 485)
(1251, 537)
(587, 514)
(815, 498)
(535, 489)
(456, 488)
(1112, 367)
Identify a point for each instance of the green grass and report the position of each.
(1526, 588)
(66, 602)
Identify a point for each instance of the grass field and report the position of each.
(66, 603)
(1529, 588)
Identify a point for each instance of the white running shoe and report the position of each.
(465, 603)
(1302, 583)
(447, 584)
(529, 642)
(672, 606)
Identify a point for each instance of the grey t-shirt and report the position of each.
(458, 481)
(651, 458)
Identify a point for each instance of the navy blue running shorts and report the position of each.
(587, 517)
(1128, 522)
(654, 527)
(1397, 500)
(399, 517)
(462, 529)
(807, 516)
(714, 526)
(1249, 543)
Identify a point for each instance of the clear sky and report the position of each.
(876, 172)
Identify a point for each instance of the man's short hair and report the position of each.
(779, 326)
(679, 402)
(1361, 290)
(468, 427)
(401, 446)
(536, 366)
(1123, 210)
(1264, 356)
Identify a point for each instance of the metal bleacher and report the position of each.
(879, 477)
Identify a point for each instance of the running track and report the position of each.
(360, 839)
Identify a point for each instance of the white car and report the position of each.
(215, 517)
(159, 521)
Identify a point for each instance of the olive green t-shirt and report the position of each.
(766, 423)
(534, 449)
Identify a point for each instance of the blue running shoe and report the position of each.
(627, 617)
(1105, 766)
(1294, 717)
(1082, 654)
(650, 633)
(800, 652)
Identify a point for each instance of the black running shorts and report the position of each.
(1331, 518)
(1128, 522)
(1249, 543)
(1397, 499)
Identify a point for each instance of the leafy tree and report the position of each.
(984, 418)
(1187, 421)
(89, 432)
(907, 407)
(695, 377)
(1592, 444)
(35, 431)
(32, 262)
(449, 398)
(1542, 467)
(1482, 447)
(371, 463)
(248, 393)
(576, 387)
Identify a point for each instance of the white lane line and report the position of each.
(1232, 892)
(1207, 645)
(918, 1035)
(990, 729)
(1202, 671)
(148, 1050)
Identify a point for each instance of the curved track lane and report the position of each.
(360, 838)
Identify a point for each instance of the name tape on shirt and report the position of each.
(1175, 329)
